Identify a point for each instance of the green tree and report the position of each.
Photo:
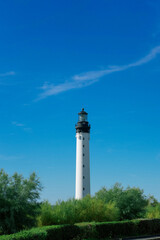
(18, 201)
(152, 201)
(131, 201)
(110, 195)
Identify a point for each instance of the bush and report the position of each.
(73, 211)
(46, 216)
(65, 232)
(128, 228)
(153, 211)
(90, 230)
(33, 234)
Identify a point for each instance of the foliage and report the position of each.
(46, 216)
(111, 195)
(153, 211)
(65, 232)
(18, 201)
(90, 231)
(111, 204)
(20, 209)
(72, 211)
(131, 202)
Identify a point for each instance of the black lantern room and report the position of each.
(82, 124)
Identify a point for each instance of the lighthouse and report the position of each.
(82, 155)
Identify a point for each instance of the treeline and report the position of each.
(20, 208)
(112, 204)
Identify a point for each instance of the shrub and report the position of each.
(46, 216)
(33, 234)
(90, 230)
(72, 211)
(121, 229)
(153, 211)
(65, 232)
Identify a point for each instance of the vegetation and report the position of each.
(153, 211)
(131, 202)
(20, 209)
(73, 211)
(113, 204)
(90, 231)
(18, 202)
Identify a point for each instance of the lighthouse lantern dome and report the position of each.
(82, 116)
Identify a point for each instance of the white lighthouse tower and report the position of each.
(82, 156)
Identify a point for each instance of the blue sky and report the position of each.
(59, 56)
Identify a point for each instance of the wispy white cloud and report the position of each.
(3, 78)
(153, 53)
(88, 78)
(21, 125)
(18, 124)
(7, 74)
(98, 74)
(51, 89)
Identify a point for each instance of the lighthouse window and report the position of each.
(83, 189)
(83, 138)
(83, 165)
(83, 154)
(83, 177)
(79, 137)
(83, 145)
